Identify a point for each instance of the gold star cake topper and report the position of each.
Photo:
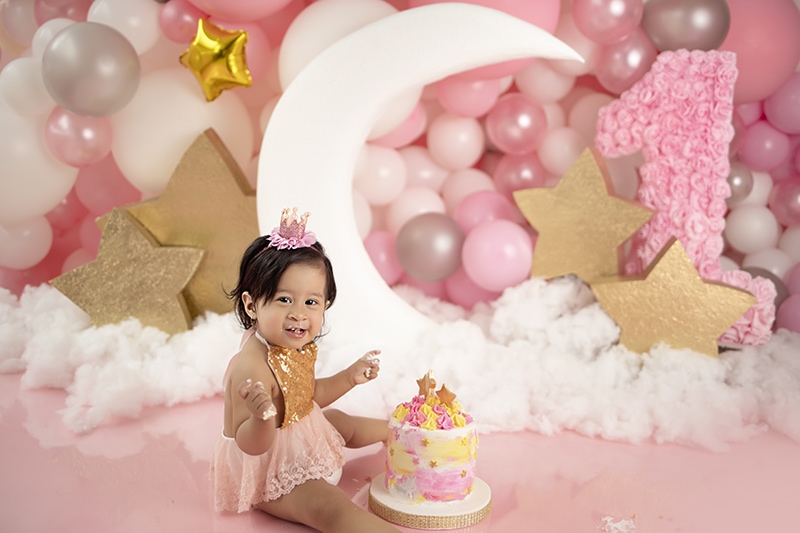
(581, 224)
(207, 204)
(133, 276)
(670, 303)
(216, 57)
(427, 384)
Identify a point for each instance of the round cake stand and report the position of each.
(446, 515)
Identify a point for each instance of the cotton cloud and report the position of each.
(543, 357)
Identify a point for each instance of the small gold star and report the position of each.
(464, 441)
(670, 303)
(434, 463)
(133, 276)
(391, 451)
(206, 182)
(216, 57)
(426, 442)
(463, 473)
(446, 396)
(581, 225)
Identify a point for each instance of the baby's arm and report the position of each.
(328, 390)
(253, 410)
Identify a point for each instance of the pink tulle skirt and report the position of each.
(311, 448)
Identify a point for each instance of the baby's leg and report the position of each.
(358, 431)
(318, 504)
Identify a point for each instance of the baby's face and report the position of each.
(293, 317)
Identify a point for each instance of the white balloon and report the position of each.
(412, 202)
(381, 177)
(790, 243)
(22, 87)
(751, 228)
(543, 83)
(164, 118)
(773, 260)
(560, 148)
(342, 93)
(137, 20)
(32, 181)
(461, 183)
(45, 34)
(583, 113)
(25, 244)
(569, 33)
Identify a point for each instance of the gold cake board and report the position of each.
(447, 515)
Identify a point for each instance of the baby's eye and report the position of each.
(284, 299)
(311, 302)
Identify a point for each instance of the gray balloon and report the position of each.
(690, 24)
(90, 69)
(429, 246)
(741, 181)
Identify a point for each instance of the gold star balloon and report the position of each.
(581, 224)
(670, 303)
(133, 276)
(208, 204)
(217, 59)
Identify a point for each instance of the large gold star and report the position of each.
(133, 276)
(581, 225)
(207, 204)
(217, 59)
(670, 303)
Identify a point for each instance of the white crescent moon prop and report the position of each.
(322, 120)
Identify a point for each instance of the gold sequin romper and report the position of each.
(306, 445)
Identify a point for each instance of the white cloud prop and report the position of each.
(542, 357)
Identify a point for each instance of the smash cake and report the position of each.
(429, 477)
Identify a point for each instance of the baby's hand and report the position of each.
(366, 369)
(258, 402)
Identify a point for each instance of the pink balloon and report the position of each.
(77, 258)
(240, 10)
(607, 21)
(784, 201)
(515, 172)
(542, 13)
(750, 112)
(763, 146)
(407, 132)
(380, 246)
(275, 24)
(257, 51)
(516, 124)
(461, 290)
(64, 245)
(788, 315)
(497, 254)
(75, 139)
(467, 98)
(483, 206)
(433, 289)
(102, 187)
(67, 213)
(90, 234)
(178, 20)
(45, 10)
(793, 280)
(12, 279)
(783, 106)
(766, 41)
(622, 64)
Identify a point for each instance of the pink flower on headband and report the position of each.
(291, 233)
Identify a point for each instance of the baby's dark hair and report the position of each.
(262, 267)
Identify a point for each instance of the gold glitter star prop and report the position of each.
(670, 303)
(427, 384)
(133, 276)
(446, 396)
(216, 57)
(581, 224)
(208, 204)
